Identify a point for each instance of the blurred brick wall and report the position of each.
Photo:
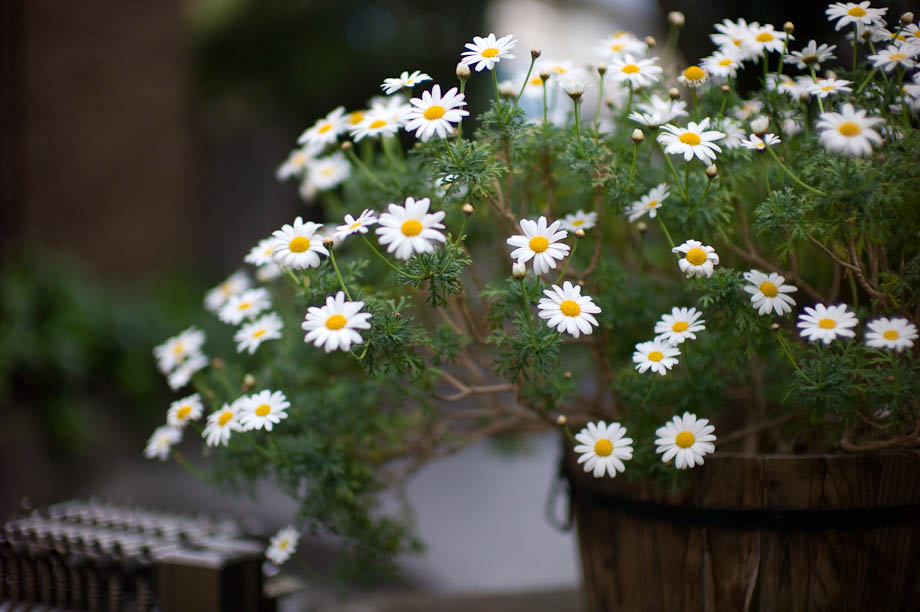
(94, 121)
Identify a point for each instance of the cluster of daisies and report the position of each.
(179, 357)
(685, 440)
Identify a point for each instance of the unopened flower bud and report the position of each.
(642, 226)
(579, 233)
(544, 75)
(463, 71)
(650, 41)
(712, 171)
(774, 326)
(561, 420)
(574, 86)
(535, 53)
(725, 88)
(580, 283)
(602, 69)
(468, 209)
(637, 136)
(249, 381)
(907, 18)
(518, 270)
(788, 27)
(830, 74)
(347, 145)
(674, 93)
(567, 374)
(676, 19)
(760, 124)
(506, 89)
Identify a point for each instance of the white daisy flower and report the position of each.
(826, 323)
(603, 449)
(573, 84)
(619, 44)
(849, 131)
(326, 130)
(792, 123)
(354, 118)
(895, 56)
(395, 106)
(566, 309)
(184, 410)
(693, 76)
(296, 163)
(722, 64)
(262, 410)
(757, 143)
(177, 349)
(850, 12)
(327, 172)
(162, 441)
(376, 123)
(403, 81)
(748, 109)
(297, 246)
(434, 114)
(698, 259)
(686, 440)
(282, 545)
(735, 36)
(579, 220)
(823, 88)
(268, 272)
(871, 33)
(811, 55)
(665, 107)
(637, 72)
(896, 334)
(764, 37)
(796, 88)
(681, 324)
(695, 139)
(245, 306)
(183, 374)
(252, 334)
(734, 132)
(221, 423)
(411, 228)
(656, 355)
(261, 254)
(356, 226)
(649, 203)
(333, 326)
(541, 243)
(768, 292)
(488, 51)
(759, 124)
(238, 282)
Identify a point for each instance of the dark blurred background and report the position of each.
(138, 146)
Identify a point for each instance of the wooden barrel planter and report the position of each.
(768, 532)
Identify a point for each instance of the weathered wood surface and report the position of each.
(662, 561)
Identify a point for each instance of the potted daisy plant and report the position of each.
(711, 292)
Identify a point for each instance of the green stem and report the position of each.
(544, 104)
(449, 152)
(191, 469)
(526, 80)
(782, 58)
(814, 78)
(766, 180)
(866, 81)
(766, 61)
(665, 230)
(387, 145)
(290, 273)
(385, 260)
(705, 193)
(673, 172)
(565, 266)
(335, 266)
(793, 176)
(687, 179)
(632, 168)
(724, 101)
(280, 449)
(600, 101)
(526, 299)
(789, 355)
(495, 85)
(581, 151)
(855, 43)
(460, 122)
(367, 171)
(693, 102)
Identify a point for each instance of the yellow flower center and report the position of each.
(538, 244)
(434, 112)
(617, 46)
(680, 326)
(377, 124)
(917, 33)
(725, 62)
(258, 334)
(178, 349)
(267, 252)
(559, 69)
(655, 356)
(490, 52)
(694, 73)
(224, 418)
(182, 412)
(263, 410)
(299, 244)
(890, 335)
(355, 225)
(578, 222)
(570, 308)
(653, 203)
(696, 256)
(536, 81)
(244, 306)
(897, 56)
(857, 11)
(299, 159)
(827, 324)
(684, 439)
(690, 138)
(764, 37)
(327, 171)
(356, 117)
(737, 41)
(603, 448)
(411, 228)
(336, 321)
(849, 129)
(325, 128)
(768, 289)
(827, 88)
(630, 69)
(283, 544)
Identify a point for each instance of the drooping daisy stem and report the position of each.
(533, 59)
(565, 266)
(367, 171)
(665, 230)
(577, 103)
(191, 469)
(797, 180)
(338, 274)
(814, 78)
(385, 260)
